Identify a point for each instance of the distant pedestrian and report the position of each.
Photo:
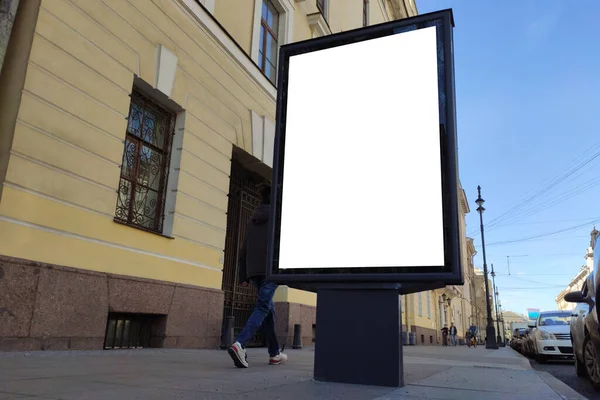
(453, 332)
(252, 268)
(473, 331)
(445, 335)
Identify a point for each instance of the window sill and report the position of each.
(117, 221)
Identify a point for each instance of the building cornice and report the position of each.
(318, 24)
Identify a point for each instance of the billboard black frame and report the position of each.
(451, 273)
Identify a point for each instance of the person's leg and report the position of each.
(269, 331)
(266, 291)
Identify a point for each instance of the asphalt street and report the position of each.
(565, 371)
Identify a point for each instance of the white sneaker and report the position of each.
(278, 359)
(238, 355)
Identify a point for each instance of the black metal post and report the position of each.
(489, 329)
(367, 328)
(498, 338)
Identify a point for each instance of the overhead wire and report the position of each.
(540, 239)
(544, 205)
(549, 222)
(526, 199)
(553, 183)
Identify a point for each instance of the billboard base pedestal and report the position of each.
(358, 339)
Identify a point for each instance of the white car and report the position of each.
(551, 337)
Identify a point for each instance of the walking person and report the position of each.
(453, 332)
(445, 335)
(252, 266)
(473, 330)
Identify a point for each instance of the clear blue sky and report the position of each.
(528, 104)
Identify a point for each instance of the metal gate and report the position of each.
(243, 198)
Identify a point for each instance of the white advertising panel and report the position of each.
(362, 173)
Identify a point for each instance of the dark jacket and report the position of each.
(252, 259)
(453, 330)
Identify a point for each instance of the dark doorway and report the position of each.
(243, 198)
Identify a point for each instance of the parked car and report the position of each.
(585, 334)
(527, 343)
(517, 338)
(551, 336)
(578, 334)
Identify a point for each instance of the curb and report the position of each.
(561, 388)
(524, 359)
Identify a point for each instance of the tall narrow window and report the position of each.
(365, 12)
(268, 46)
(145, 166)
(420, 301)
(429, 305)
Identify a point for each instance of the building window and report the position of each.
(268, 46)
(420, 304)
(145, 166)
(365, 12)
(429, 305)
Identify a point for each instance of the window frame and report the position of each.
(365, 13)
(264, 27)
(285, 33)
(137, 97)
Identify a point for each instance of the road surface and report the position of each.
(565, 371)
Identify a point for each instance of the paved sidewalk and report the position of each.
(431, 373)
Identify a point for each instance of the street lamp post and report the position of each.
(490, 342)
(502, 320)
(498, 338)
(503, 327)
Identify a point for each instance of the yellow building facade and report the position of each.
(132, 137)
(427, 312)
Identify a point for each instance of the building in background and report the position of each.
(133, 135)
(480, 318)
(511, 316)
(425, 313)
(577, 282)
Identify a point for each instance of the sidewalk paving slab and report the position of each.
(431, 372)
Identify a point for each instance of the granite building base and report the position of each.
(49, 307)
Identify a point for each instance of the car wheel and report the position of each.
(580, 368)
(541, 359)
(591, 362)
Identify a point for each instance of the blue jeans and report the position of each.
(263, 315)
(453, 337)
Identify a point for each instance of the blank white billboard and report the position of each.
(362, 180)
